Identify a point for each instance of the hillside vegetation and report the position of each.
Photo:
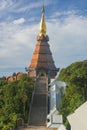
(15, 98)
(75, 77)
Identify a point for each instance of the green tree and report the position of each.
(15, 98)
(75, 77)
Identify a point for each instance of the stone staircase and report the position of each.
(38, 112)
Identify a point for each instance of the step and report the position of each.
(38, 112)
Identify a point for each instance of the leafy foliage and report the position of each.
(75, 77)
(15, 98)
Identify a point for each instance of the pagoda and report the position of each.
(42, 63)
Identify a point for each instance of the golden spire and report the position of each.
(42, 24)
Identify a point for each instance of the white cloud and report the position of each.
(19, 21)
(29, 7)
(5, 4)
(11, 6)
(32, 5)
(68, 41)
(65, 13)
(16, 44)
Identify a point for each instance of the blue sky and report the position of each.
(66, 22)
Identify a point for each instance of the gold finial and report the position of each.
(43, 9)
(42, 24)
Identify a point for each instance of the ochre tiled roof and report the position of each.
(42, 56)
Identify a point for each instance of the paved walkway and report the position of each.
(36, 128)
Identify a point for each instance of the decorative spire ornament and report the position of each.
(42, 24)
